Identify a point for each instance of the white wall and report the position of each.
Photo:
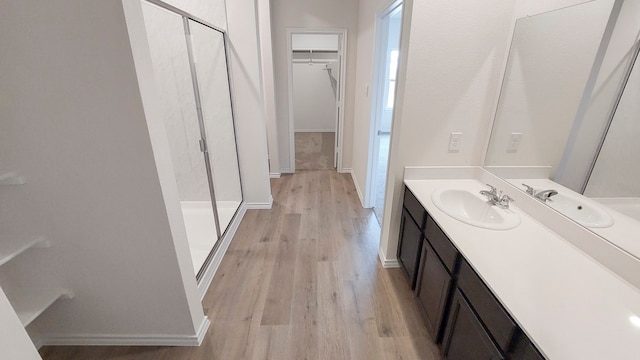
(320, 15)
(76, 125)
(314, 108)
(248, 101)
(450, 73)
(551, 58)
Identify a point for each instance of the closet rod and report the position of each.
(315, 51)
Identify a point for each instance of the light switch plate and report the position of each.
(514, 142)
(455, 141)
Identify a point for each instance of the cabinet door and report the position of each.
(525, 350)
(409, 247)
(433, 290)
(465, 338)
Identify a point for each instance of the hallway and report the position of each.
(300, 281)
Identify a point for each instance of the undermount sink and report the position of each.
(472, 209)
(583, 211)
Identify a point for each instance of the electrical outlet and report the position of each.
(455, 141)
(514, 142)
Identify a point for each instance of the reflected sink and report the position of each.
(473, 209)
(581, 210)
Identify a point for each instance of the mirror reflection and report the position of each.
(567, 115)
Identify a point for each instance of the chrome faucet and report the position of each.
(529, 190)
(544, 195)
(492, 194)
(501, 201)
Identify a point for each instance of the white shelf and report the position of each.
(33, 302)
(10, 254)
(12, 178)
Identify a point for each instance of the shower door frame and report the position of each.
(220, 233)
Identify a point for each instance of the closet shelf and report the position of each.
(12, 178)
(33, 302)
(6, 256)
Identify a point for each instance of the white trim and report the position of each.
(126, 340)
(275, 175)
(387, 263)
(214, 264)
(314, 130)
(286, 171)
(261, 206)
(358, 190)
(345, 171)
(339, 104)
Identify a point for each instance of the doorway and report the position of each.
(316, 86)
(387, 50)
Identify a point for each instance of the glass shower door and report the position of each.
(174, 81)
(210, 62)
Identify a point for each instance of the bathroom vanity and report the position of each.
(459, 310)
(519, 293)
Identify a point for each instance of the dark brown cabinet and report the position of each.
(433, 290)
(460, 311)
(466, 338)
(525, 350)
(409, 247)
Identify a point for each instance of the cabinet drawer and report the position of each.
(500, 325)
(414, 207)
(441, 244)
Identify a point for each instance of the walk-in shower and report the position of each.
(189, 61)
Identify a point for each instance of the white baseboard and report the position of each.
(345, 171)
(126, 340)
(214, 264)
(387, 263)
(275, 175)
(286, 171)
(261, 206)
(355, 182)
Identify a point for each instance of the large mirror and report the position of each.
(568, 114)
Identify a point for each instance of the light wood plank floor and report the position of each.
(300, 281)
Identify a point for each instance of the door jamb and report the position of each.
(339, 103)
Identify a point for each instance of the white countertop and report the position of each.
(569, 305)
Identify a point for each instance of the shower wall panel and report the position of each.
(170, 59)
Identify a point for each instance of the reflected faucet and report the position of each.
(544, 195)
(529, 190)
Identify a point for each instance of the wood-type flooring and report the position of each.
(300, 281)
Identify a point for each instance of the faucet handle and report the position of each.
(504, 201)
(494, 191)
(529, 190)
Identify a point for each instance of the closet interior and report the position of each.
(316, 74)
